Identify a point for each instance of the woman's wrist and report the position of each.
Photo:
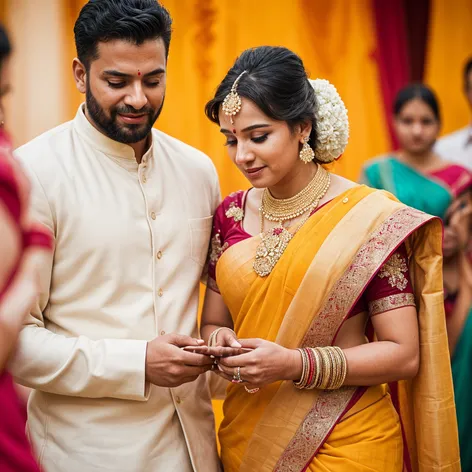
(294, 365)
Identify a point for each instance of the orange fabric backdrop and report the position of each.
(449, 46)
(336, 40)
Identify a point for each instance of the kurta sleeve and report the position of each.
(76, 366)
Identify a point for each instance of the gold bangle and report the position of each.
(337, 363)
(306, 367)
(302, 382)
(334, 360)
(326, 376)
(343, 366)
(319, 368)
(214, 334)
(332, 365)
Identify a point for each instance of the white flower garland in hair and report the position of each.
(332, 122)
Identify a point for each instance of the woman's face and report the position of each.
(417, 127)
(4, 86)
(265, 151)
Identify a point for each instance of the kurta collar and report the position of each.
(104, 143)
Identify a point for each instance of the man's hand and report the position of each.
(167, 365)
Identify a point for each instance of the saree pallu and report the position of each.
(304, 302)
(432, 193)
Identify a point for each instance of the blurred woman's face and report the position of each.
(4, 86)
(417, 127)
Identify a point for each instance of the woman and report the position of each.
(21, 247)
(415, 174)
(420, 178)
(300, 280)
(458, 303)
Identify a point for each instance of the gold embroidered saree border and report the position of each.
(287, 409)
(330, 405)
(391, 302)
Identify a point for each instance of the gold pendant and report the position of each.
(272, 246)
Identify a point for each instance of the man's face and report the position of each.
(469, 88)
(125, 88)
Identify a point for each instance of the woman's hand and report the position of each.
(225, 344)
(226, 338)
(265, 364)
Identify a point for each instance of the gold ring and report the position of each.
(237, 376)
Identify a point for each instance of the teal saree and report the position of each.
(462, 377)
(426, 193)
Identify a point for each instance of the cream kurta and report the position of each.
(130, 245)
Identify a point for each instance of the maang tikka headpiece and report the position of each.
(232, 102)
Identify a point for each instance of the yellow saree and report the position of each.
(304, 302)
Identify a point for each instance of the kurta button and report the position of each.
(159, 255)
(345, 200)
(153, 215)
(160, 292)
(163, 332)
(178, 400)
(144, 180)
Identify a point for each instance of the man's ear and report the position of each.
(80, 75)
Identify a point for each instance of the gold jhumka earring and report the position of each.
(306, 153)
(232, 102)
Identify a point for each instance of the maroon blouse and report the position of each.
(388, 290)
(15, 452)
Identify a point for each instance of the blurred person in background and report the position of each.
(23, 243)
(457, 146)
(131, 210)
(415, 174)
(458, 306)
(421, 178)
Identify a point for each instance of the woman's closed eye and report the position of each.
(230, 142)
(260, 139)
(254, 139)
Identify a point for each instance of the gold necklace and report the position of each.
(275, 240)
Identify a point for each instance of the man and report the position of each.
(130, 209)
(457, 146)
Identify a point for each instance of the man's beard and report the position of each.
(123, 133)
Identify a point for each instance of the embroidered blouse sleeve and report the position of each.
(391, 287)
(227, 220)
(217, 247)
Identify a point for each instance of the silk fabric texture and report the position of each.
(432, 193)
(303, 302)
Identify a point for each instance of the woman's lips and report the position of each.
(254, 170)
